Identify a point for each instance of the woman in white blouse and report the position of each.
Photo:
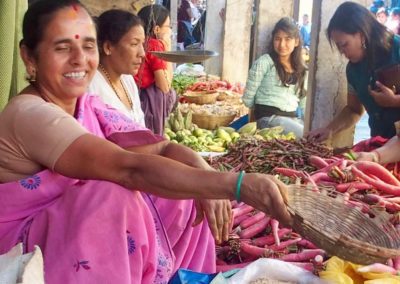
(121, 54)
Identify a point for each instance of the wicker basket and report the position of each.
(340, 229)
(201, 98)
(212, 121)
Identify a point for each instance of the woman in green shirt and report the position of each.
(276, 80)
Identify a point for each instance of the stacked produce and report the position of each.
(180, 129)
(256, 235)
(262, 156)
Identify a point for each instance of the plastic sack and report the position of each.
(16, 267)
(266, 268)
(345, 272)
(185, 276)
(190, 70)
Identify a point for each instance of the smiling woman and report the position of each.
(71, 167)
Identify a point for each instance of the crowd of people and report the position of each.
(388, 16)
(107, 199)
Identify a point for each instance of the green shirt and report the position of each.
(264, 87)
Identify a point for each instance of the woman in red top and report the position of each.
(155, 76)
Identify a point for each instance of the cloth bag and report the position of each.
(19, 268)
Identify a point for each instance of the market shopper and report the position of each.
(388, 153)
(76, 197)
(368, 45)
(121, 38)
(275, 84)
(154, 78)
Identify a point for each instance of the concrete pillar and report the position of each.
(327, 84)
(214, 34)
(269, 12)
(236, 44)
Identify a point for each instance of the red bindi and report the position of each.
(75, 7)
(76, 36)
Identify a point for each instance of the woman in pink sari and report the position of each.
(68, 179)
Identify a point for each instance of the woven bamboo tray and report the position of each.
(341, 229)
(201, 98)
(212, 121)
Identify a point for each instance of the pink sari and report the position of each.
(96, 231)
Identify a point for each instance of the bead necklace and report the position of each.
(104, 71)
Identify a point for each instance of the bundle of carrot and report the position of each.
(256, 235)
(364, 185)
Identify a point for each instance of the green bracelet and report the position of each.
(239, 185)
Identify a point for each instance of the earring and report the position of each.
(364, 45)
(108, 52)
(32, 75)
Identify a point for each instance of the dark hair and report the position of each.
(352, 18)
(113, 24)
(152, 16)
(37, 17)
(290, 27)
(395, 11)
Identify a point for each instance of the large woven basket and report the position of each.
(201, 98)
(341, 229)
(212, 121)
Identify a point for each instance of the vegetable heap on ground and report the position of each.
(256, 235)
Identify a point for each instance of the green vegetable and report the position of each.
(180, 83)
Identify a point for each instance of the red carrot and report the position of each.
(284, 244)
(304, 255)
(254, 229)
(237, 220)
(252, 220)
(318, 177)
(289, 172)
(270, 240)
(377, 268)
(377, 170)
(307, 244)
(317, 162)
(355, 185)
(381, 185)
(396, 263)
(254, 251)
(275, 229)
(241, 210)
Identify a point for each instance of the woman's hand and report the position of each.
(219, 217)
(367, 156)
(319, 134)
(266, 193)
(384, 97)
